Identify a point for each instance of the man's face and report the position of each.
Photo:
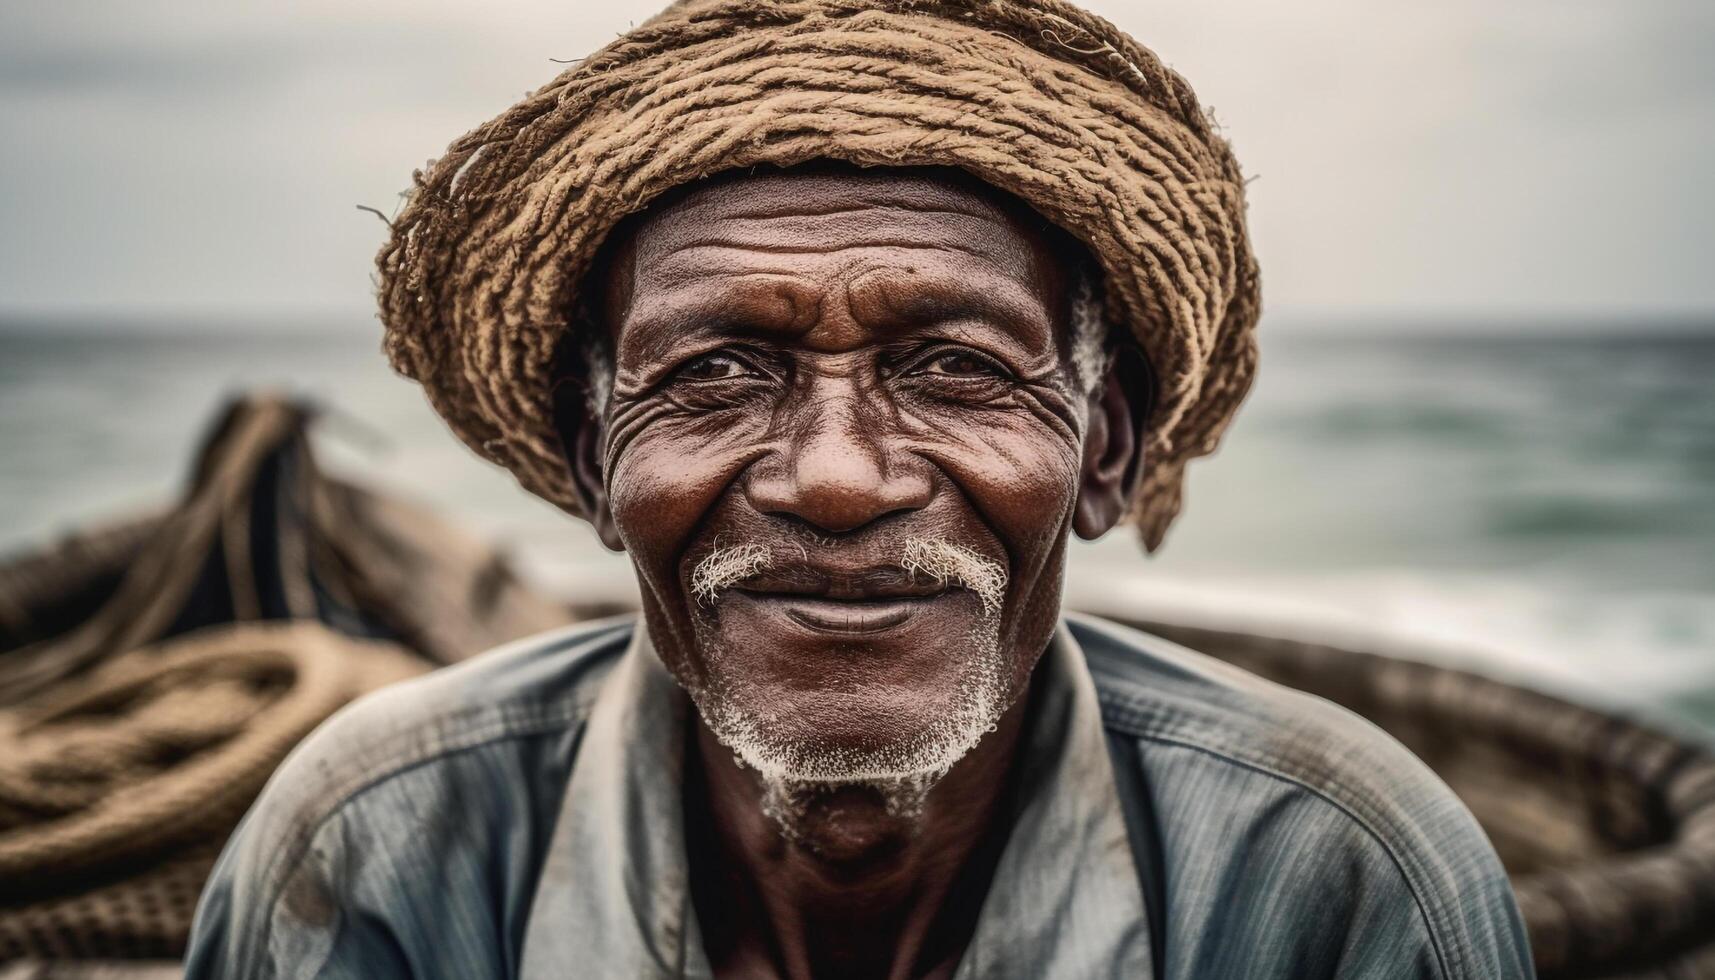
(844, 448)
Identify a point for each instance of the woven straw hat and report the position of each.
(1035, 97)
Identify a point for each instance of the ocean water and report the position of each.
(1537, 507)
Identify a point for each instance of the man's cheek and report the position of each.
(661, 487)
(1021, 483)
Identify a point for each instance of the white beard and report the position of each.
(793, 768)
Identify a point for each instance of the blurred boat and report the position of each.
(154, 671)
(1606, 826)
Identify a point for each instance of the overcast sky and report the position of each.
(1433, 158)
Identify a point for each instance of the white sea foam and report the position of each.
(1629, 652)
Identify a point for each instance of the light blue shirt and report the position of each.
(520, 815)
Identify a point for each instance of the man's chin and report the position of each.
(877, 736)
(807, 776)
(813, 693)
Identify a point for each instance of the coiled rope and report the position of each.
(139, 769)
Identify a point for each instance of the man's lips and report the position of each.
(842, 594)
(852, 601)
(852, 616)
(851, 586)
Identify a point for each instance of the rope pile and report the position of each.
(1035, 97)
(153, 674)
(147, 763)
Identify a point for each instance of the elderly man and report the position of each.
(840, 318)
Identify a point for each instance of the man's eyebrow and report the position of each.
(940, 299)
(754, 301)
(754, 307)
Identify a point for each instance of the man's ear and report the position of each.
(1113, 445)
(581, 433)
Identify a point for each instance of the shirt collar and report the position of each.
(614, 890)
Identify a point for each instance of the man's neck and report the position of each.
(854, 890)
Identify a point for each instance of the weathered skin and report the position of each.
(830, 363)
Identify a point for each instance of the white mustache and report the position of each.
(933, 557)
(724, 568)
(945, 562)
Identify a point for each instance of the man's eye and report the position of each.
(715, 367)
(959, 364)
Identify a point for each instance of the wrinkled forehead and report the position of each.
(827, 221)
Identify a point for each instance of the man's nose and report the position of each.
(837, 471)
